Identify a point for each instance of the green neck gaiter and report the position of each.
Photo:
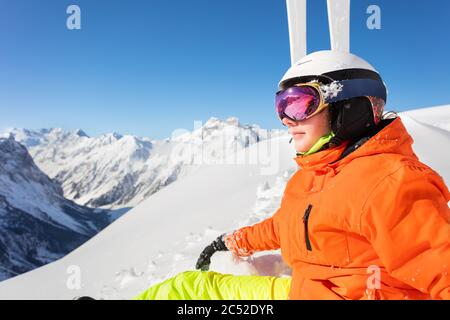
(319, 144)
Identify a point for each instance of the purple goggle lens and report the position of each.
(297, 103)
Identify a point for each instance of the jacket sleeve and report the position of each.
(407, 220)
(258, 237)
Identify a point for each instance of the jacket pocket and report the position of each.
(322, 239)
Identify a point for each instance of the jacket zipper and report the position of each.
(305, 223)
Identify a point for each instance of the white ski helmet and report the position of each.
(357, 107)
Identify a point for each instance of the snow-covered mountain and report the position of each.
(37, 224)
(165, 233)
(116, 171)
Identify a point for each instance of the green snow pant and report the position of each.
(210, 285)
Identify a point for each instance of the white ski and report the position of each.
(296, 11)
(339, 23)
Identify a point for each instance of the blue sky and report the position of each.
(149, 67)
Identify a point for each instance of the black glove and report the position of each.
(204, 260)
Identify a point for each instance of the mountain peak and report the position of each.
(80, 133)
(56, 130)
(116, 135)
(112, 136)
(9, 146)
(45, 131)
(212, 122)
(234, 121)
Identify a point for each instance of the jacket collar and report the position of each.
(390, 136)
(321, 158)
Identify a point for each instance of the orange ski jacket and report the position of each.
(374, 224)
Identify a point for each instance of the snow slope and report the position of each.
(430, 129)
(165, 233)
(435, 116)
(115, 171)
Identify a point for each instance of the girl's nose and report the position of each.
(288, 122)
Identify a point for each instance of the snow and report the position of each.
(165, 233)
(436, 116)
(430, 128)
(331, 90)
(432, 144)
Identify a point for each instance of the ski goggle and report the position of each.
(299, 102)
(302, 101)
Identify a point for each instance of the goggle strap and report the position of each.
(359, 87)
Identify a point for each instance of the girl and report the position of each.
(362, 218)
